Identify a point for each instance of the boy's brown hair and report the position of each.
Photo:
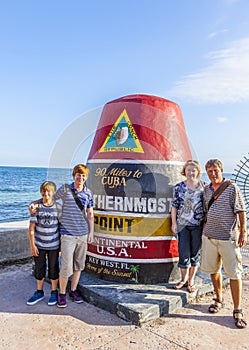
(81, 169)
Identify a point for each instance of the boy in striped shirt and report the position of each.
(77, 226)
(44, 239)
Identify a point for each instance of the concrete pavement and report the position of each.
(85, 326)
(167, 319)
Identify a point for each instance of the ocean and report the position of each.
(20, 185)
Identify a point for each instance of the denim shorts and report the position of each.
(189, 245)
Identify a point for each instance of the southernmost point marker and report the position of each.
(136, 157)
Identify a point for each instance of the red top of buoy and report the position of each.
(141, 127)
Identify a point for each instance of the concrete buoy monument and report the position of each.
(136, 157)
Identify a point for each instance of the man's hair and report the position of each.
(48, 185)
(81, 169)
(214, 162)
(194, 163)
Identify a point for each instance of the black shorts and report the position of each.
(50, 259)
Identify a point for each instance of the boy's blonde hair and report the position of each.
(195, 164)
(81, 169)
(48, 185)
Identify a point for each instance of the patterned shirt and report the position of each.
(73, 222)
(189, 204)
(46, 220)
(222, 219)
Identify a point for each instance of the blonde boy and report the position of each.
(44, 239)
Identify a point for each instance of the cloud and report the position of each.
(215, 34)
(221, 120)
(225, 80)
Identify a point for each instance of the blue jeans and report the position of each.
(189, 245)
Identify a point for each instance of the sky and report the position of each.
(61, 61)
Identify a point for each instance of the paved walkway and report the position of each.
(86, 327)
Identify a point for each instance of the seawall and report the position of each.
(14, 241)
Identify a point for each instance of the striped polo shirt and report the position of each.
(73, 222)
(222, 219)
(46, 221)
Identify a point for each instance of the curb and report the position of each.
(141, 303)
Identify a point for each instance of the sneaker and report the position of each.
(62, 300)
(75, 296)
(53, 298)
(38, 296)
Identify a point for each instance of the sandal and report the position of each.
(180, 285)
(215, 308)
(239, 322)
(191, 288)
